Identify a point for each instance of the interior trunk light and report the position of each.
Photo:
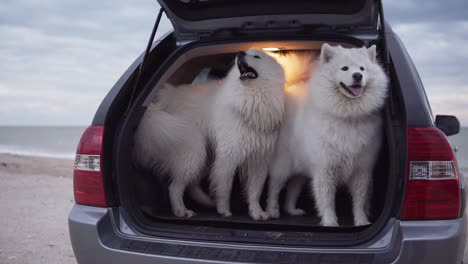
(270, 49)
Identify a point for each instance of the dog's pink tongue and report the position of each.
(356, 90)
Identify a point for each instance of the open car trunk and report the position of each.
(144, 198)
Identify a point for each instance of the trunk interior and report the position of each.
(144, 198)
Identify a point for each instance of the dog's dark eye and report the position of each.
(362, 68)
(345, 68)
(257, 57)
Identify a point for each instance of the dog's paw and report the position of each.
(184, 213)
(295, 212)
(361, 222)
(225, 213)
(259, 215)
(330, 222)
(274, 212)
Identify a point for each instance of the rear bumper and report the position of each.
(96, 238)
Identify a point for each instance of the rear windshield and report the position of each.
(212, 9)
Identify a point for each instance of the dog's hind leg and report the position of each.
(257, 172)
(184, 173)
(176, 196)
(293, 190)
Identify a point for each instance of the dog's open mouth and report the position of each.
(354, 90)
(246, 72)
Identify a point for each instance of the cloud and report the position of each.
(421, 11)
(437, 49)
(60, 58)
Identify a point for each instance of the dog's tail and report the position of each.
(158, 134)
(197, 194)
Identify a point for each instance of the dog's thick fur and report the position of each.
(240, 116)
(168, 144)
(333, 134)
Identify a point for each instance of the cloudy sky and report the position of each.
(59, 58)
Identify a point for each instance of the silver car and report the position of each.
(122, 214)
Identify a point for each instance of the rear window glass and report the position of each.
(212, 9)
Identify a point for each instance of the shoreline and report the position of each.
(36, 165)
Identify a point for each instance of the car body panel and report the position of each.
(96, 238)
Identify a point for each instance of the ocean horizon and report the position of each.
(61, 142)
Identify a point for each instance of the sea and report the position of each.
(42, 141)
(61, 142)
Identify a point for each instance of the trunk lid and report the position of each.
(194, 19)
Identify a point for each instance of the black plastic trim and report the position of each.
(113, 107)
(328, 236)
(228, 252)
(418, 110)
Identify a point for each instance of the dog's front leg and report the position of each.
(359, 189)
(324, 190)
(257, 172)
(221, 179)
(279, 174)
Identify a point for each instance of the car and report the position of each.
(122, 214)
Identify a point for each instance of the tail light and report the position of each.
(88, 182)
(432, 186)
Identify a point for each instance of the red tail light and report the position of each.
(432, 186)
(88, 182)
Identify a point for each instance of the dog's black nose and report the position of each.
(241, 54)
(357, 76)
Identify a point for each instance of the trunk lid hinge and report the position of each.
(143, 61)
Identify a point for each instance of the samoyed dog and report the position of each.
(332, 133)
(239, 116)
(167, 144)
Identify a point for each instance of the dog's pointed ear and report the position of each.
(326, 53)
(372, 51)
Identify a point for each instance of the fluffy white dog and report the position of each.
(332, 133)
(240, 116)
(247, 115)
(168, 144)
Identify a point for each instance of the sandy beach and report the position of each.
(35, 197)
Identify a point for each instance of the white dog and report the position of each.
(240, 115)
(333, 134)
(247, 116)
(167, 144)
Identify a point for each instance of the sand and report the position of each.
(36, 195)
(16, 164)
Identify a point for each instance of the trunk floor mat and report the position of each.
(206, 217)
